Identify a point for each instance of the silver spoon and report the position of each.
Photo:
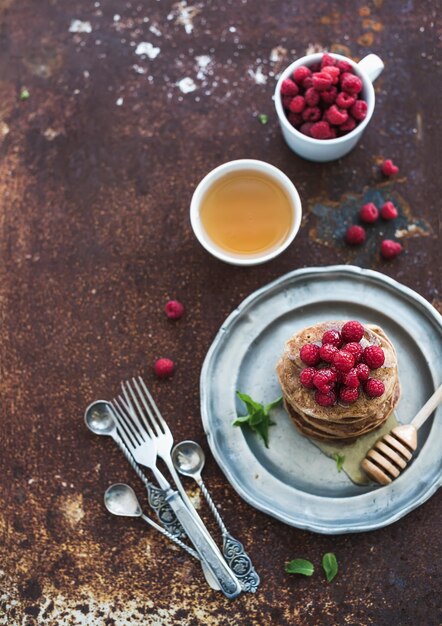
(99, 418)
(188, 458)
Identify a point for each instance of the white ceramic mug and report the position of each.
(235, 166)
(329, 149)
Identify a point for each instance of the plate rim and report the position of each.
(352, 271)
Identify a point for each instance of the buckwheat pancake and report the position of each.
(340, 421)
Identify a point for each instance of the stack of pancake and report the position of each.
(338, 422)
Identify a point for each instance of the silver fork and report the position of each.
(144, 449)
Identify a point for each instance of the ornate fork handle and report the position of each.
(233, 550)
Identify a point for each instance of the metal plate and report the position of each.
(292, 480)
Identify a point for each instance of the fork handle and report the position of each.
(205, 546)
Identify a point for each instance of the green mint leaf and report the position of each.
(249, 402)
(263, 118)
(330, 565)
(339, 458)
(300, 566)
(257, 417)
(24, 94)
(241, 419)
(263, 431)
(273, 404)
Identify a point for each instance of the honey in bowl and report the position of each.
(247, 213)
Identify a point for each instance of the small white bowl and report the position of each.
(235, 166)
(322, 150)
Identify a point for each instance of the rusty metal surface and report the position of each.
(96, 173)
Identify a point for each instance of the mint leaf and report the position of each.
(273, 404)
(250, 404)
(330, 565)
(300, 566)
(24, 94)
(258, 418)
(241, 419)
(339, 458)
(263, 118)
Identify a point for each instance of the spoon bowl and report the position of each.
(188, 458)
(99, 418)
(120, 499)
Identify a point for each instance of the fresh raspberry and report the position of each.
(389, 168)
(311, 114)
(344, 66)
(306, 129)
(325, 399)
(350, 83)
(329, 95)
(324, 378)
(352, 331)
(297, 104)
(321, 81)
(336, 116)
(327, 351)
(295, 118)
(369, 213)
(306, 377)
(355, 348)
(286, 101)
(374, 357)
(289, 88)
(359, 110)
(311, 97)
(348, 126)
(327, 60)
(351, 379)
(333, 337)
(307, 83)
(164, 368)
(390, 248)
(345, 100)
(333, 72)
(174, 309)
(310, 354)
(320, 130)
(355, 235)
(301, 73)
(343, 361)
(374, 388)
(348, 395)
(389, 211)
(363, 372)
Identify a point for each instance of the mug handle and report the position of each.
(372, 65)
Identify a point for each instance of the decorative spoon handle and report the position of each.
(233, 550)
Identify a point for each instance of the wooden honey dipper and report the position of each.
(390, 454)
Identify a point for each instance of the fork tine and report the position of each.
(148, 409)
(128, 389)
(133, 419)
(126, 433)
(148, 395)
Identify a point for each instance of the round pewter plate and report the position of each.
(293, 480)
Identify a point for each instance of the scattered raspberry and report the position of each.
(350, 83)
(310, 354)
(389, 211)
(333, 72)
(374, 388)
(352, 331)
(369, 213)
(174, 309)
(297, 104)
(349, 125)
(336, 116)
(343, 361)
(325, 399)
(374, 357)
(333, 337)
(306, 377)
(311, 97)
(324, 378)
(345, 100)
(322, 81)
(329, 95)
(363, 372)
(359, 110)
(164, 368)
(327, 351)
(320, 130)
(344, 67)
(301, 73)
(348, 394)
(306, 128)
(327, 60)
(355, 235)
(355, 348)
(351, 379)
(389, 168)
(311, 114)
(289, 88)
(295, 118)
(390, 248)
